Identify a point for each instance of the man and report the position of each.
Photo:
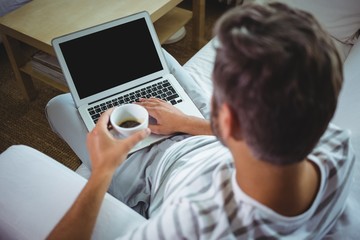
(281, 170)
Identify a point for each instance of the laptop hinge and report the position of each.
(91, 103)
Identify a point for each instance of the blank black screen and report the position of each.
(110, 57)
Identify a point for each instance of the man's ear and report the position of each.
(229, 123)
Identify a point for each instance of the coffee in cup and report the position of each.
(129, 123)
(128, 119)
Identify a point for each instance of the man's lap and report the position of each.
(130, 183)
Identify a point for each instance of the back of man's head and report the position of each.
(280, 73)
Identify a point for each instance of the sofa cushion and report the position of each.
(36, 191)
(7, 6)
(341, 18)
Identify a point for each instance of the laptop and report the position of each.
(115, 63)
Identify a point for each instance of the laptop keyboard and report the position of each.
(162, 90)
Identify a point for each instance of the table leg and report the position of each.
(198, 23)
(18, 57)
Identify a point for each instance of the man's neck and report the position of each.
(288, 190)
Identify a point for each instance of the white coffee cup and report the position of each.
(128, 119)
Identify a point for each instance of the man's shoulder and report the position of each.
(334, 139)
(334, 154)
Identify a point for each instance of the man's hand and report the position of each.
(170, 120)
(107, 152)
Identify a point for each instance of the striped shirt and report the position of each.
(195, 195)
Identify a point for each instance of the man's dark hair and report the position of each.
(281, 75)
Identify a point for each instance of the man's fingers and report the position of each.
(133, 139)
(157, 100)
(152, 100)
(104, 118)
(154, 128)
(153, 112)
(148, 103)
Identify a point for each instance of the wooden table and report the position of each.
(32, 27)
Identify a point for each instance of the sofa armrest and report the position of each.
(36, 191)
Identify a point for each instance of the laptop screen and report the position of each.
(111, 57)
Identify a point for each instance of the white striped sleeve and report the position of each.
(177, 221)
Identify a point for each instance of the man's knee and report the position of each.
(57, 107)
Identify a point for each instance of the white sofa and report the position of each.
(35, 190)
